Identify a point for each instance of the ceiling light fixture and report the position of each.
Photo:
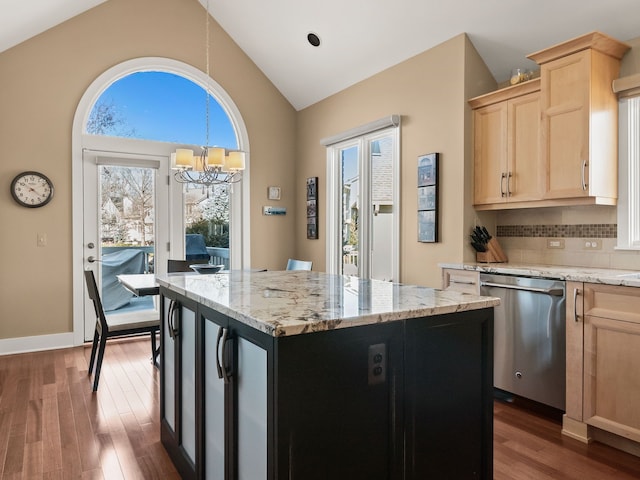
(213, 165)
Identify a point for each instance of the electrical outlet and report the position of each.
(593, 244)
(557, 243)
(377, 363)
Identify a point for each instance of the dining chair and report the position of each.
(298, 264)
(116, 325)
(174, 266)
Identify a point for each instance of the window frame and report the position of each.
(628, 210)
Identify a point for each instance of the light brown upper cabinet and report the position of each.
(507, 164)
(580, 118)
(552, 141)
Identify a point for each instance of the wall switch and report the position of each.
(377, 364)
(593, 244)
(555, 243)
(41, 240)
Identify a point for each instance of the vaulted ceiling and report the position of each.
(360, 38)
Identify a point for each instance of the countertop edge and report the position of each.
(604, 276)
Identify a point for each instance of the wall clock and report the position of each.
(32, 189)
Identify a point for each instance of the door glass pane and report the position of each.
(350, 209)
(382, 211)
(207, 223)
(127, 232)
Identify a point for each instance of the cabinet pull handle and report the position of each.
(502, 177)
(218, 366)
(225, 374)
(509, 184)
(170, 318)
(575, 304)
(462, 282)
(584, 181)
(173, 308)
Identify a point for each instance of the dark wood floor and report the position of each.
(52, 426)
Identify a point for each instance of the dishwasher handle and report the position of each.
(556, 292)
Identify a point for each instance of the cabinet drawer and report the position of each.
(463, 281)
(614, 302)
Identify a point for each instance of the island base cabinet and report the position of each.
(429, 414)
(335, 419)
(400, 400)
(449, 397)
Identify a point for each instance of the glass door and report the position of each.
(367, 168)
(121, 228)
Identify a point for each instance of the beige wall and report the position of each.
(534, 250)
(429, 91)
(41, 83)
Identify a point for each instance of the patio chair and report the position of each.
(298, 264)
(116, 325)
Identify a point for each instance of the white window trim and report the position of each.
(355, 136)
(240, 208)
(629, 174)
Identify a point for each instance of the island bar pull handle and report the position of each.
(218, 366)
(502, 177)
(225, 373)
(575, 304)
(169, 318)
(584, 181)
(173, 308)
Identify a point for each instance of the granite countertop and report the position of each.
(629, 278)
(295, 302)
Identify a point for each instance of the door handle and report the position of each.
(92, 259)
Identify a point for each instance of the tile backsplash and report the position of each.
(523, 235)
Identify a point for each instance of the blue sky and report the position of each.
(166, 107)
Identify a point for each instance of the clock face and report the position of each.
(31, 189)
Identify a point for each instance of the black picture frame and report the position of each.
(312, 208)
(428, 197)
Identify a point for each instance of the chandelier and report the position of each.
(213, 165)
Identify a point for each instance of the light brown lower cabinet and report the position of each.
(603, 365)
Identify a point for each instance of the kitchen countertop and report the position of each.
(605, 276)
(295, 302)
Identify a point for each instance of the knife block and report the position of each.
(494, 253)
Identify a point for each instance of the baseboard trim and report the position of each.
(10, 346)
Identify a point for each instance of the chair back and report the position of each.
(298, 264)
(94, 295)
(182, 265)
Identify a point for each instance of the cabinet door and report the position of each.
(449, 396)
(611, 359)
(525, 175)
(214, 411)
(187, 349)
(490, 154)
(167, 366)
(565, 99)
(574, 348)
(251, 393)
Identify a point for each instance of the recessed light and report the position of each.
(313, 39)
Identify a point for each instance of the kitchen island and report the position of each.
(305, 375)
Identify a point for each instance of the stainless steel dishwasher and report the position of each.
(529, 336)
